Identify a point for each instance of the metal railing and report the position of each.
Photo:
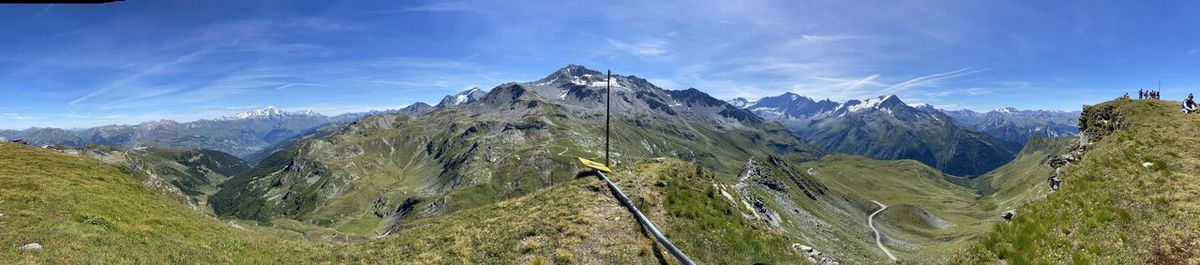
(644, 221)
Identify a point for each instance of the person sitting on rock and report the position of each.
(1189, 105)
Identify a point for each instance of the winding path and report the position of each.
(878, 236)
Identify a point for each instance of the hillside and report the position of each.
(1024, 179)
(578, 221)
(825, 204)
(1130, 199)
(83, 211)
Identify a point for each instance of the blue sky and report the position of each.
(79, 66)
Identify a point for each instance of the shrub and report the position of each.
(97, 220)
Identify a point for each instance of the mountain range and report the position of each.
(1017, 126)
(483, 171)
(886, 128)
(244, 134)
(1008, 124)
(383, 171)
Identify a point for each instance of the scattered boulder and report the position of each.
(814, 256)
(802, 248)
(31, 246)
(1147, 164)
(236, 225)
(1055, 183)
(1008, 215)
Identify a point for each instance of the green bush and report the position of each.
(97, 220)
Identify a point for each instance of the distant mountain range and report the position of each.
(886, 128)
(243, 134)
(1008, 124)
(240, 134)
(1015, 125)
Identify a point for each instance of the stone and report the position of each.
(1008, 215)
(31, 246)
(236, 225)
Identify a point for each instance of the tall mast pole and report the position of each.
(607, 115)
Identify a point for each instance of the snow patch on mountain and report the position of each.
(466, 97)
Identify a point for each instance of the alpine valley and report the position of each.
(493, 176)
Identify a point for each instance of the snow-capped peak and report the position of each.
(872, 103)
(465, 97)
(741, 103)
(268, 112)
(1006, 110)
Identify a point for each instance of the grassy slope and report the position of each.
(908, 188)
(579, 222)
(1112, 209)
(465, 160)
(1024, 179)
(83, 211)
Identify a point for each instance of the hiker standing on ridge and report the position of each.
(1141, 93)
(1189, 106)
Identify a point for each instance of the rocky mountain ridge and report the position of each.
(885, 127)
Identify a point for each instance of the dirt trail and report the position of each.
(878, 236)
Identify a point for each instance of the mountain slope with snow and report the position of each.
(1018, 126)
(465, 97)
(885, 127)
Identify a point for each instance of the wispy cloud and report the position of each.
(290, 85)
(434, 7)
(43, 11)
(127, 80)
(649, 47)
(141, 95)
(854, 84)
(17, 116)
(931, 79)
(823, 39)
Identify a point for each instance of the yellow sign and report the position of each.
(594, 165)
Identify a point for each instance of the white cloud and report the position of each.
(931, 79)
(17, 116)
(649, 47)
